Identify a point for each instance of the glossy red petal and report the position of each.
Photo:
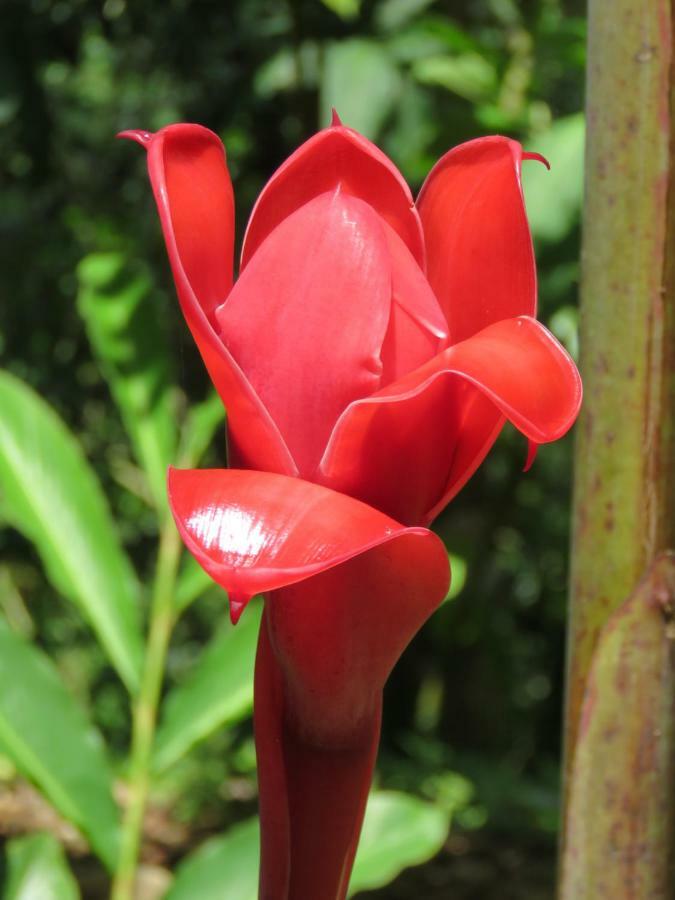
(257, 531)
(417, 329)
(336, 157)
(327, 648)
(417, 441)
(480, 261)
(193, 192)
(306, 319)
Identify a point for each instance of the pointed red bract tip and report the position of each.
(335, 119)
(538, 157)
(141, 137)
(238, 603)
(532, 449)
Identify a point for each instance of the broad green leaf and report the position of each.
(346, 9)
(361, 80)
(468, 75)
(218, 693)
(554, 198)
(223, 868)
(51, 495)
(51, 742)
(398, 831)
(38, 870)
(115, 301)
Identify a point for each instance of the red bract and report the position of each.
(371, 349)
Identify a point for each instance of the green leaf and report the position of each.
(398, 831)
(346, 9)
(390, 15)
(51, 495)
(38, 870)
(554, 198)
(115, 301)
(458, 576)
(51, 742)
(361, 80)
(468, 75)
(218, 693)
(223, 868)
(203, 420)
(192, 582)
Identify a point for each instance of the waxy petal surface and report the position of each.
(336, 157)
(193, 192)
(480, 260)
(409, 448)
(258, 531)
(417, 329)
(307, 318)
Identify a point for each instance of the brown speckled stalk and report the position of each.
(624, 509)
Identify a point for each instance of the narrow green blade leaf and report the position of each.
(202, 423)
(50, 494)
(554, 198)
(192, 582)
(398, 831)
(115, 301)
(361, 80)
(223, 868)
(38, 870)
(218, 693)
(52, 743)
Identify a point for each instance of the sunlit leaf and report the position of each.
(218, 693)
(468, 75)
(361, 80)
(49, 493)
(38, 870)
(398, 831)
(115, 300)
(458, 576)
(554, 198)
(223, 868)
(346, 9)
(51, 742)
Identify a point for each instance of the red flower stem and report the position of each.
(312, 796)
(624, 507)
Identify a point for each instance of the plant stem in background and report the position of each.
(620, 785)
(162, 618)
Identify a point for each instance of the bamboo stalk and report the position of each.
(624, 507)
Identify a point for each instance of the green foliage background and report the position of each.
(472, 711)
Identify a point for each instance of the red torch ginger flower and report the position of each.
(368, 355)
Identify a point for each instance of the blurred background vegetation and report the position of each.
(472, 712)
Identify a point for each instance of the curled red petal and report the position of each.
(480, 260)
(306, 319)
(417, 441)
(417, 329)
(193, 192)
(258, 531)
(349, 588)
(336, 157)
